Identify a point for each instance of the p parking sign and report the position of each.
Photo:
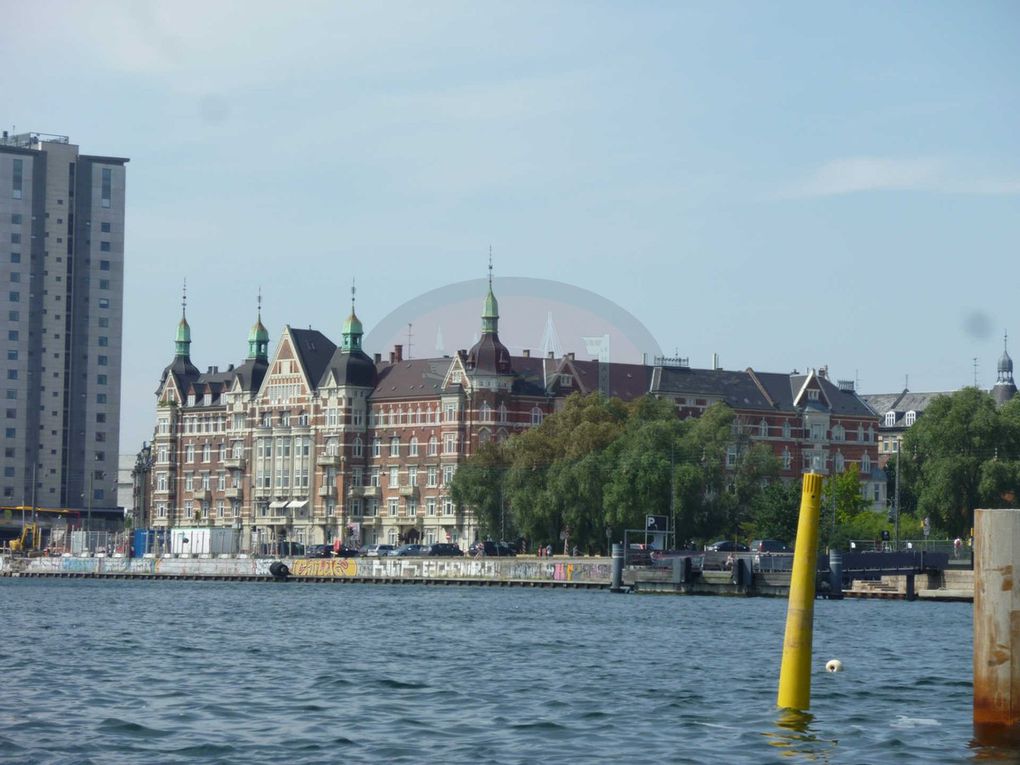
(655, 523)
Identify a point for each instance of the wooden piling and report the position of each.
(996, 624)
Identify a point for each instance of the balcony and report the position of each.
(371, 491)
(232, 493)
(327, 491)
(408, 491)
(356, 491)
(234, 463)
(327, 460)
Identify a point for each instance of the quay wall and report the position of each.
(580, 572)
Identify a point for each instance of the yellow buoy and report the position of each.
(795, 674)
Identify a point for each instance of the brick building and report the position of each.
(322, 441)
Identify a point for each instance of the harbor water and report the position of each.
(157, 671)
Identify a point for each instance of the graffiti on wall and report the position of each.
(336, 568)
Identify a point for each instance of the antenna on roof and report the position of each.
(975, 371)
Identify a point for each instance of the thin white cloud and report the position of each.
(859, 174)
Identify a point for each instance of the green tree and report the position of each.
(479, 484)
(842, 501)
(961, 455)
(775, 512)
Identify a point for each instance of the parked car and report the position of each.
(491, 549)
(346, 552)
(726, 545)
(319, 551)
(405, 551)
(769, 546)
(444, 549)
(376, 551)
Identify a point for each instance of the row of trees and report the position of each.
(962, 454)
(599, 466)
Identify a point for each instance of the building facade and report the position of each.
(321, 442)
(62, 265)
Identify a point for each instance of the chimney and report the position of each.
(527, 353)
(398, 351)
(823, 372)
(550, 355)
(715, 361)
(393, 356)
(377, 357)
(570, 355)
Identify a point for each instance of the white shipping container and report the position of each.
(204, 541)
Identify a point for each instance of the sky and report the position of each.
(788, 185)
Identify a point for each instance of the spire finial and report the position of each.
(490, 267)
(354, 290)
(1005, 339)
(260, 303)
(184, 298)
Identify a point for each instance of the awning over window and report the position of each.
(298, 504)
(275, 505)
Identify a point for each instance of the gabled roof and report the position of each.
(313, 351)
(737, 389)
(900, 403)
(783, 389)
(412, 378)
(626, 381)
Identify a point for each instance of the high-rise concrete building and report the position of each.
(62, 274)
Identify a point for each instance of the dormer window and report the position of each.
(910, 418)
(890, 419)
(812, 394)
(566, 380)
(191, 399)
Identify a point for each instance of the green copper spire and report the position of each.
(490, 316)
(258, 338)
(353, 330)
(183, 341)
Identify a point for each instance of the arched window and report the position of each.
(376, 447)
(395, 446)
(839, 463)
(838, 433)
(786, 429)
(910, 418)
(358, 447)
(484, 436)
(787, 459)
(536, 416)
(763, 428)
(502, 412)
(485, 412)
(890, 419)
(433, 446)
(865, 464)
(412, 447)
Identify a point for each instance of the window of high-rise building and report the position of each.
(16, 179)
(107, 187)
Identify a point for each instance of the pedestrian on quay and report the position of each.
(548, 551)
(957, 546)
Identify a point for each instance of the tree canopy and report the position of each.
(599, 466)
(964, 453)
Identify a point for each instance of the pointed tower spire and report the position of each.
(258, 338)
(352, 331)
(183, 341)
(490, 316)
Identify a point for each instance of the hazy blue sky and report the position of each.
(785, 184)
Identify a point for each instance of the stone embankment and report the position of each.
(533, 572)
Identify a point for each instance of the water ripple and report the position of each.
(186, 672)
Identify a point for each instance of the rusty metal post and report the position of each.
(996, 624)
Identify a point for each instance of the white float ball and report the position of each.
(834, 665)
